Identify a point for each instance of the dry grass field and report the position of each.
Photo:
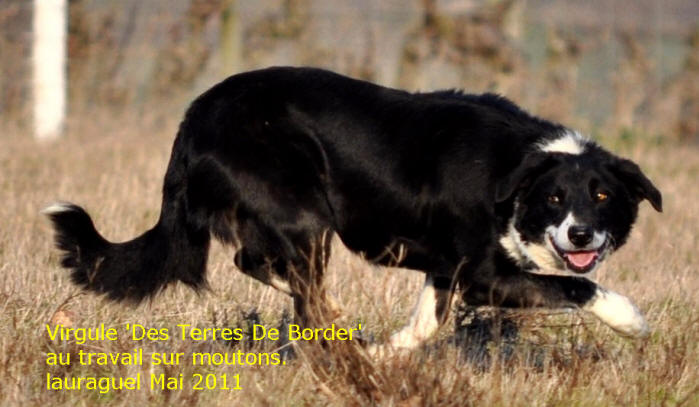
(115, 170)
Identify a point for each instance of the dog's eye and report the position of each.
(601, 197)
(554, 199)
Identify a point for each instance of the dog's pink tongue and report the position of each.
(582, 259)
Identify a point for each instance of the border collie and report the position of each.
(468, 189)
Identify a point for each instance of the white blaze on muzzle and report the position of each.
(579, 259)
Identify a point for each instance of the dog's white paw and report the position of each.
(619, 313)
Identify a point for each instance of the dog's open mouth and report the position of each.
(580, 261)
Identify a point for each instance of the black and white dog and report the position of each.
(469, 189)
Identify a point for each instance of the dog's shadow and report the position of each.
(485, 336)
(481, 336)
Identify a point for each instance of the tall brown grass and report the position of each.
(115, 170)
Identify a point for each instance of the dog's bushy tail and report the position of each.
(175, 249)
(133, 270)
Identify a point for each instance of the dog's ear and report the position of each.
(628, 172)
(521, 177)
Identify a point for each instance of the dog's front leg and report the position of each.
(551, 291)
(429, 314)
(618, 312)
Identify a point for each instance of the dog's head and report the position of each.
(572, 209)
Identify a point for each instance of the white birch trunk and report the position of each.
(49, 67)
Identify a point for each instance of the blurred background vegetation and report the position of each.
(608, 67)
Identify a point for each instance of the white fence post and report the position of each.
(50, 28)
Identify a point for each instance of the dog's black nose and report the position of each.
(580, 235)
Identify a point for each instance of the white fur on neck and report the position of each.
(513, 243)
(526, 253)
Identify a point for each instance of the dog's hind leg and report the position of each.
(312, 304)
(263, 272)
(267, 275)
(296, 269)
